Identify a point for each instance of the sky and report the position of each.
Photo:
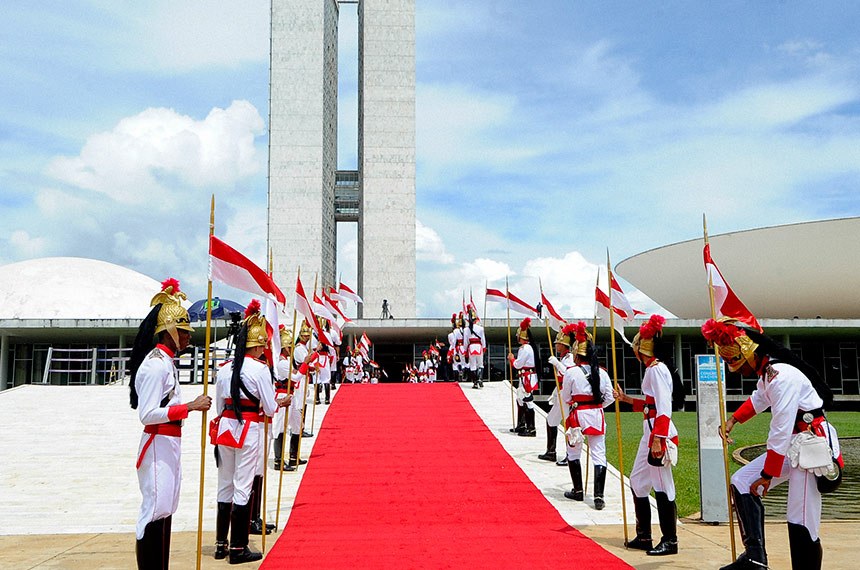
(548, 134)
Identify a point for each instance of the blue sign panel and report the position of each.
(706, 365)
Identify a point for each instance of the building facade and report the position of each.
(307, 195)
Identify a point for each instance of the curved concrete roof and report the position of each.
(805, 270)
(73, 288)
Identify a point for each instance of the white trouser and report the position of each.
(158, 476)
(261, 450)
(645, 477)
(804, 500)
(238, 467)
(597, 445)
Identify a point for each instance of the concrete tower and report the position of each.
(307, 196)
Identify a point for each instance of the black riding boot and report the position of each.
(805, 554)
(256, 505)
(279, 450)
(551, 436)
(529, 431)
(294, 452)
(240, 522)
(521, 421)
(150, 548)
(750, 512)
(317, 388)
(643, 524)
(222, 528)
(599, 484)
(480, 374)
(327, 393)
(165, 551)
(668, 513)
(575, 469)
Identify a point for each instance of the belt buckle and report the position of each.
(808, 417)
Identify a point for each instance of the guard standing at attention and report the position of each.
(155, 394)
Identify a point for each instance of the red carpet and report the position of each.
(408, 476)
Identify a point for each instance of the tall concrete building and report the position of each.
(307, 194)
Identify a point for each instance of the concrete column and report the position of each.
(5, 377)
(679, 362)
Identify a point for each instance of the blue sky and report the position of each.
(546, 132)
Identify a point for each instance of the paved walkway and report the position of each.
(69, 494)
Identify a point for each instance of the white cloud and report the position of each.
(429, 246)
(144, 155)
(26, 245)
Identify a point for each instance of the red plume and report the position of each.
(568, 329)
(581, 331)
(721, 334)
(252, 308)
(527, 322)
(651, 328)
(170, 282)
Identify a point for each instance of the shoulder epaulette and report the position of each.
(155, 353)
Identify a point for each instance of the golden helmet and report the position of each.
(523, 330)
(583, 339)
(460, 321)
(734, 346)
(256, 323)
(172, 315)
(643, 342)
(286, 337)
(305, 332)
(564, 336)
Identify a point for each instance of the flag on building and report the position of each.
(620, 302)
(234, 269)
(495, 296)
(601, 309)
(519, 306)
(555, 320)
(726, 303)
(304, 308)
(345, 292)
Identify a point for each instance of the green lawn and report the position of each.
(687, 471)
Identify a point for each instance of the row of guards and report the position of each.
(802, 447)
(247, 396)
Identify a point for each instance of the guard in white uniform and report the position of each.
(476, 346)
(797, 396)
(155, 394)
(586, 391)
(326, 358)
(658, 447)
(561, 362)
(524, 363)
(282, 388)
(244, 389)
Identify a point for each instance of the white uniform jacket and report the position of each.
(583, 411)
(161, 411)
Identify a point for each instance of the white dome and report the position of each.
(73, 288)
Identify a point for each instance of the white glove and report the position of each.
(793, 454)
(821, 471)
(554, 361)
(574, 436)
(671, 455)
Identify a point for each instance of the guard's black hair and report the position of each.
(144, 342)
(594, 373)
(238, 360)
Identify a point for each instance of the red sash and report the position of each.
(169, 429)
